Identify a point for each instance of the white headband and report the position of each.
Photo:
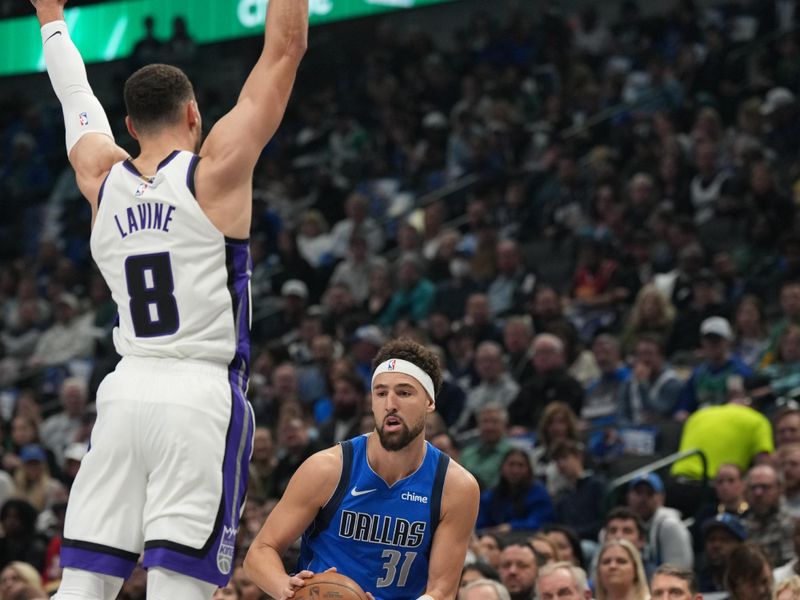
(398, 365)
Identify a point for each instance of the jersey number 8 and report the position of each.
(154, 310)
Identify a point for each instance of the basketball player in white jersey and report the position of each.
(167, 469)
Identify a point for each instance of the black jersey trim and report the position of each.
(437, 490)
(328, 511)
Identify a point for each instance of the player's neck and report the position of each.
(155, 148)
(392, 466)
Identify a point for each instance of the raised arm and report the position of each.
(90, 143)
(459, 511)
(236, 141)
(309, 489)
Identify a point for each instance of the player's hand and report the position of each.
(294, 583)
(298, 580)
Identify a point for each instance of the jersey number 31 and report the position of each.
(154, 310)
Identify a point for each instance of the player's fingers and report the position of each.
(370, 596)
(305, 574)
(329, 570)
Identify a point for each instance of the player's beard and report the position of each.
(397, 440)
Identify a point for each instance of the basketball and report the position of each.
(330, 586)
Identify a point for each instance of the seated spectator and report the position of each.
(17, 576)
(348, 405)
(789, 465)
(787, 589)
(356, 208)
(731, 433)
(653, 391)
(478, 316)
(768, 523)
(413, 296)
(621, 523)
(512, 284)
(452, 292)
(783, 373)
(728, 499)
(517, 338)
(356, 267)
(651, 313)
(20, 542)
(61, 429)
(603, 396)
(791, 568)
(566, 542)
(546, 551)
(313, 240)
(749, 574)
(578, 506)
(620, 573)
(489, 549)
(67, 339)
(549, 383)
(484, 589)
(558, 424)
(598, 292)
(494, 384)
(668, 539)
(473, 571)
(32, 481)
(451, 397)
(518, 570)
(786, 425)
(708, 384)
(750, 324)
(790, 314)
(484, 456)
(670, 582)
(706, 303)
(518, 501)
(721, 535)
(562, 580)
(379, 292)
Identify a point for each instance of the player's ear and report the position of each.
(192, 114)
(131, 129)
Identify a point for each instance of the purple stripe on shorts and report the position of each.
(96, 562)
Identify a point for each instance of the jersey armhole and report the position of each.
(193, 162)
(436, 492)
(327, 512)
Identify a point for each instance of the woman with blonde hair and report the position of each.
(788, 589)
(652, 312)
(545, 549)
(16, 575)
(620, 573)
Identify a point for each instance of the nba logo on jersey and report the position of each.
(83, 118)
(391, 365)
(140, 190)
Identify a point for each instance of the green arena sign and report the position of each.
(109, 31)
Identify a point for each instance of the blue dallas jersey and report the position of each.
(379, 535)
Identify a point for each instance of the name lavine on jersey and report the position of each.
(379, 529)
(147, 215)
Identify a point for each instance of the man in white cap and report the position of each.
(709, 383)
(386, 508)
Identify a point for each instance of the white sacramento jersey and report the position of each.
(182, 288)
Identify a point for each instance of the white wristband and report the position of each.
(425, 597)
(82, 111)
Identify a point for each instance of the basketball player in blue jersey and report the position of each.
(167, 469)
(386, 509)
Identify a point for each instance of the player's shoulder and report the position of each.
(460, 482)
(325, 464)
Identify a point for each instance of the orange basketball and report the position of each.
(330, 586)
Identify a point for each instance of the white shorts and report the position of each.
(166, 472)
